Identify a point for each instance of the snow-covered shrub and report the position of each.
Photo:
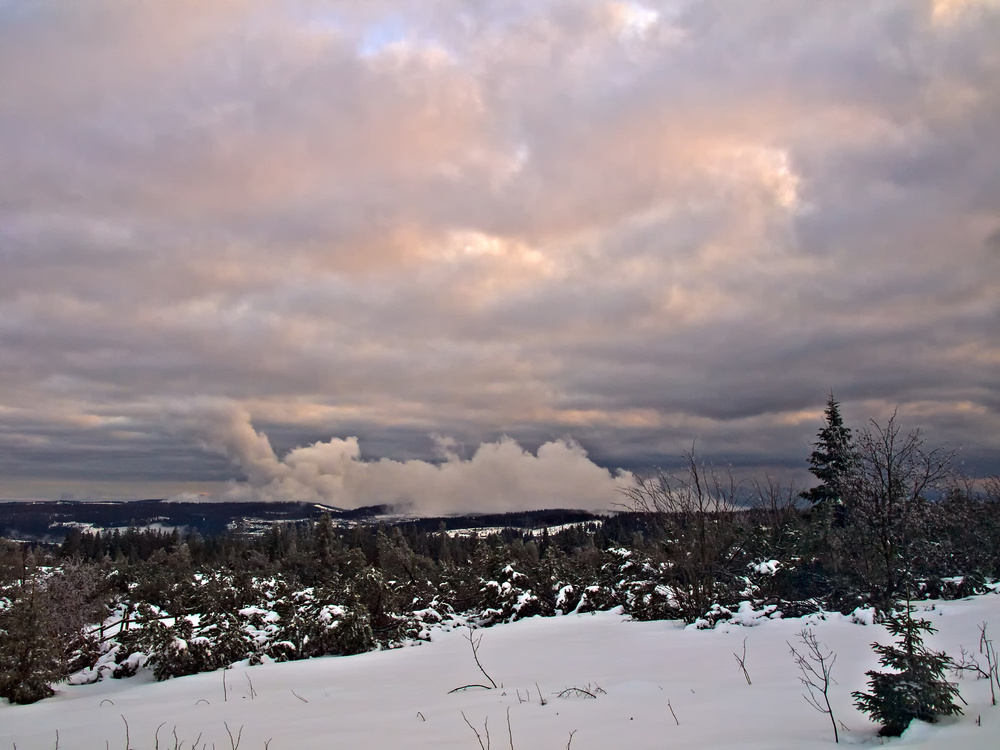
(225, 635)
(171, 649)
(318, 622)
(510, 597)
(955, 587)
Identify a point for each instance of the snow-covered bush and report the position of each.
(510, 597)
(318, 622)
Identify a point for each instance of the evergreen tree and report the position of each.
(221, 626)
(917, 689)
(31, 657)
(831, 458)
(323, 540)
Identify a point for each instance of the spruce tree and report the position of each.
(831, 458)
(31, 654)
(917, 688)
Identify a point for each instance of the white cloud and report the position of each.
(499, 477)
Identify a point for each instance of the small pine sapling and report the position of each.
(917, 689)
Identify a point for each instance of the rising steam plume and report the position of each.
(500, 476)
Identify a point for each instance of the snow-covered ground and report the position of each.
(638, 672)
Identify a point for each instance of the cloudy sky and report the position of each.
(485, 253)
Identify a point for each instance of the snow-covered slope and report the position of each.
(638, 672)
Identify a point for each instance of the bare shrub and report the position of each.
(816, 668)
(696, 514)
(474, 643)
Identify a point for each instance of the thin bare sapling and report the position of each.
(474, 643)
(816, 669)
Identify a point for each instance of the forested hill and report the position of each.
(50, 520)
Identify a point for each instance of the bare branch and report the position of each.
(234, 744)
(575, 691)
(127, 741)
(474, 643)
(479, 737)
(742, 662)
(253, 693)
(816, 668)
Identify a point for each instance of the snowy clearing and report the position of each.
(636, 671)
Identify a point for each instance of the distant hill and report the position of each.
(50, 520)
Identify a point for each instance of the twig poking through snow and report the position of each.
(743, 661)
(234, 744)
(575, 691)
(510, 733)
(253, 693)
(299, 696)
(676, 720)
(570, 738)
(474, 642)
(987, 649)
(486, 728)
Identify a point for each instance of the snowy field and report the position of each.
(637, 671)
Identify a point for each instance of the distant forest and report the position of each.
(889, 520)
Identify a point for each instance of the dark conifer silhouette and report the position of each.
(831, 458)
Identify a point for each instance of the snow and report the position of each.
(766, 568)
(483, 532)
(400, 698)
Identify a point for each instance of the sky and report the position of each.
(460, 255)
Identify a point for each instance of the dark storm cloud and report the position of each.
(628, 224)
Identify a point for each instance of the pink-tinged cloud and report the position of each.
(630, 223)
